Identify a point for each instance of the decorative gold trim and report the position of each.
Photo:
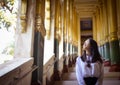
(100, 43)
(69, 40)
(23, 16)
(65, 38)
(106, 38)
(47, 19)
(57, 34)
(113, 36)
(40, 26)
(48, 34)
(23, 23)
(118, 33)
(75, 43)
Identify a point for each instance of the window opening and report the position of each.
(8, 19)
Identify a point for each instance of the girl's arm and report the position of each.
(100, 79)
(79, 72)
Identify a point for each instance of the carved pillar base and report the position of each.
(107, 63)
(56, 75)
(49, 81)
(23, 23)
(73, 62)
(102, 51)
(35, 83)
(74, 59)
(115, 56)
(65, 68)
(70, 63)
(114, 68)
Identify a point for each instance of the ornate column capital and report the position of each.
(40, 26)
(23, 16)
(58, 34)
(113, 36)
(118, 32)
(23, 23)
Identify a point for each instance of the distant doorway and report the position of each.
(86, 29)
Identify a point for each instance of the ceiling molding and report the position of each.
(87, 3)
(85, 14)
(86, 8)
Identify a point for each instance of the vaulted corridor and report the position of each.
(48, 36)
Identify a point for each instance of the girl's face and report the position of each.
(86, 45)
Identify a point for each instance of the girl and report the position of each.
(89, 67)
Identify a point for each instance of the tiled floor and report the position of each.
(66, 82)
(110, 78)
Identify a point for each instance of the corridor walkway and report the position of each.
(110, 78)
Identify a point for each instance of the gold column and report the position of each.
(75, 29)
(23, 16)
(71, 19)
(113, 38)
(70, 4)
(112, 20)
(105, 21)
(57, 20)
(57, 38)
(66, 8)
(118, 19)
(98, 26)
(72, 22)
(47, 18)
(94, 27)
(118, 11)
(65, 25)
(101, 23)
(106, 35)
(72, 7)
(39, 21)
(58, 25)
(66, 16)
(70, 31)
(97, 35)
(68, 19)
(73, 33)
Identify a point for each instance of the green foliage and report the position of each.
(9, 49)
(4, 21)
(6, 13)
(7, 4)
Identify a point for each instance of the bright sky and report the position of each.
(6, 37)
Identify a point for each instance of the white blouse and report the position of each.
(96, 70)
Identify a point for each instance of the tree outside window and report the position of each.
(8, 19)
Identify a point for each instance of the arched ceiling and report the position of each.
(86, 8)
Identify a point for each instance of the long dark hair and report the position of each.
(94, 53)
